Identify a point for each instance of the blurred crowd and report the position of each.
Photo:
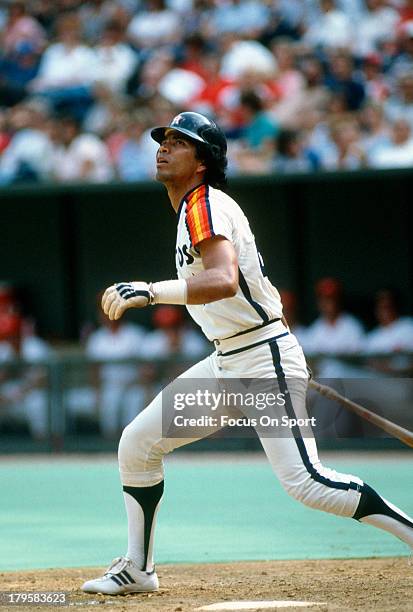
(297, 85)
(121, 366)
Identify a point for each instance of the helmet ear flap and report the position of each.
(210, 135)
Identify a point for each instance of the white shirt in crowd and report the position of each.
(85, 159)
(332, 29)
(180, 86)
(32, 349)
(393, 155)
(150, 28)
(115, 65)
(125, 343)
(345, 335)
(31, 147)
(244, 54)
(62, 66)
(398, 336)
(375, 27)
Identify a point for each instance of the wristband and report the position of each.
(169, 292)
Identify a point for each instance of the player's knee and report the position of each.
(302, 489)
(129, 447)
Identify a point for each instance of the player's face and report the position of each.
(176, 159)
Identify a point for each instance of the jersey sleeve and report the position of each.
(205, 218)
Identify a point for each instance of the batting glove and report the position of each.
(121, 296)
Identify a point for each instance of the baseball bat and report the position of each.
(397, 431)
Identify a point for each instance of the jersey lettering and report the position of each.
(180, 257)
(184, 253)
(188, 257)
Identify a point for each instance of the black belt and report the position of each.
(250, 346)
(251, 329)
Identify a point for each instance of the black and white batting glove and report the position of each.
(121, 296)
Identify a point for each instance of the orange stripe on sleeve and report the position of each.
(198, 216)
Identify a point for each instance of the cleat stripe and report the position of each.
(128, 576)
(124, 580)
(118, 582)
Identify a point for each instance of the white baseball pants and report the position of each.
(273, 353)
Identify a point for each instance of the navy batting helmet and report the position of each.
(197, 128)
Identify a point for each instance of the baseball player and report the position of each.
(221, 281)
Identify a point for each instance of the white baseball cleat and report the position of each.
(123, 576)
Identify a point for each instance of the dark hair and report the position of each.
(285, 139)
(216, 165)
(251, 100)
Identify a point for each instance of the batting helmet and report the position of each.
(197, 128)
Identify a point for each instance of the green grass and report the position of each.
(65, 514)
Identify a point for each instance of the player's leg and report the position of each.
(296, 463)
(141, 450)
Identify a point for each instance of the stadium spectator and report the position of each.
(67, 70)
(95, 15)
(394, 332)
(295, 111)
(400, 104)
(171, 337)
(392, 336)
(247, 17)
(333, 28)
(398, 153)
(108, 112)
(290, 80)
(259, 128)
(133, 162)
(179, 85)
(79, 156)
(341, 80)
(375, 130)
(160, 75)
(17, 69)
(29, 156)
(375, 83)
(115, 60)
(191, 53)
(100, 60)
(375, 25)
(212, 96)
(103, 399)
(292, 154)
(240, 55)
(257, 143)
(23, 391)
(154, 26)
(334, 331)
(21, 29)
(346, 152)
(400, 58)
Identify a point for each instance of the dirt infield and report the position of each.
(382, 585)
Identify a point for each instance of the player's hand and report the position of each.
(121, 296)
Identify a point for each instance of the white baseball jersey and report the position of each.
(206, 212)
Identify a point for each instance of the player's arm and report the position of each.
(217, 281)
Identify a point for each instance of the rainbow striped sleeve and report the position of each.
(198, 216)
